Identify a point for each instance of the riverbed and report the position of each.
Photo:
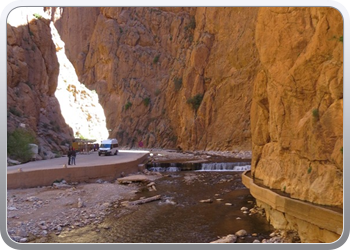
(196, 207)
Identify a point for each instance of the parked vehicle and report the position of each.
(108, 147)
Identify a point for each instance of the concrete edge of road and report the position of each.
(46, 177)
(313, 222)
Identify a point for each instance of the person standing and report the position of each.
(69, 155)
(74, 154)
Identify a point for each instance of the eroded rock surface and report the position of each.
(266, 79)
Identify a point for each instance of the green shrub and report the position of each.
(156, 59)
(309, 170)
(146, 101)
(341, 39)
(315, 113)
(195, 101)
(177, 83)
(18, 145)
(15, 112)
(128, 105)
(38, 16)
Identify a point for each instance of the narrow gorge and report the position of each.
(262, 79)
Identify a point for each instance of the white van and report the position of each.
(108, 147)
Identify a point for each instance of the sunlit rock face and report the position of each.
(171, 77)
(80, 106)
(297, 109)
(32, 71)
(44, 94)
(266, 79)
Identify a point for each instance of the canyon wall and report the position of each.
(32, 70)
(297, 108)
(264, 79)
(171, 77)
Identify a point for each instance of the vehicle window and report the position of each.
(105, 146)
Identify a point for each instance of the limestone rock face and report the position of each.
(297, 108)
(266, 79)
(32, 71)
(171, 77)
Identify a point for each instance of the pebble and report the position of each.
(278, 236)
(228, 204)
(241, 233)
(80, 203)
(206, 201)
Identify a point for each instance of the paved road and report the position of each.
(82, 160)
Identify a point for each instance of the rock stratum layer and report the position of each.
(265, 79)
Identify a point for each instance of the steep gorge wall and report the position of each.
(32, 70)
(297, 108)
(269, 79)
(147, 64)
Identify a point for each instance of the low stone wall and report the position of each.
(314, 223)
(45, 177)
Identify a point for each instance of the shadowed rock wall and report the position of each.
(32, 70)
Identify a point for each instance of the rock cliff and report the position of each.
(32, 70)
(297, 108)
(265, 79)
(269, 79)
(171, 77)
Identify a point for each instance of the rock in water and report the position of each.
(227, 239)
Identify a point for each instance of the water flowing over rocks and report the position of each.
(161, 155)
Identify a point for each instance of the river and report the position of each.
(180, 217)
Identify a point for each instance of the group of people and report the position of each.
(72, 154)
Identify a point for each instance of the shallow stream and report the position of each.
(180, 217)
